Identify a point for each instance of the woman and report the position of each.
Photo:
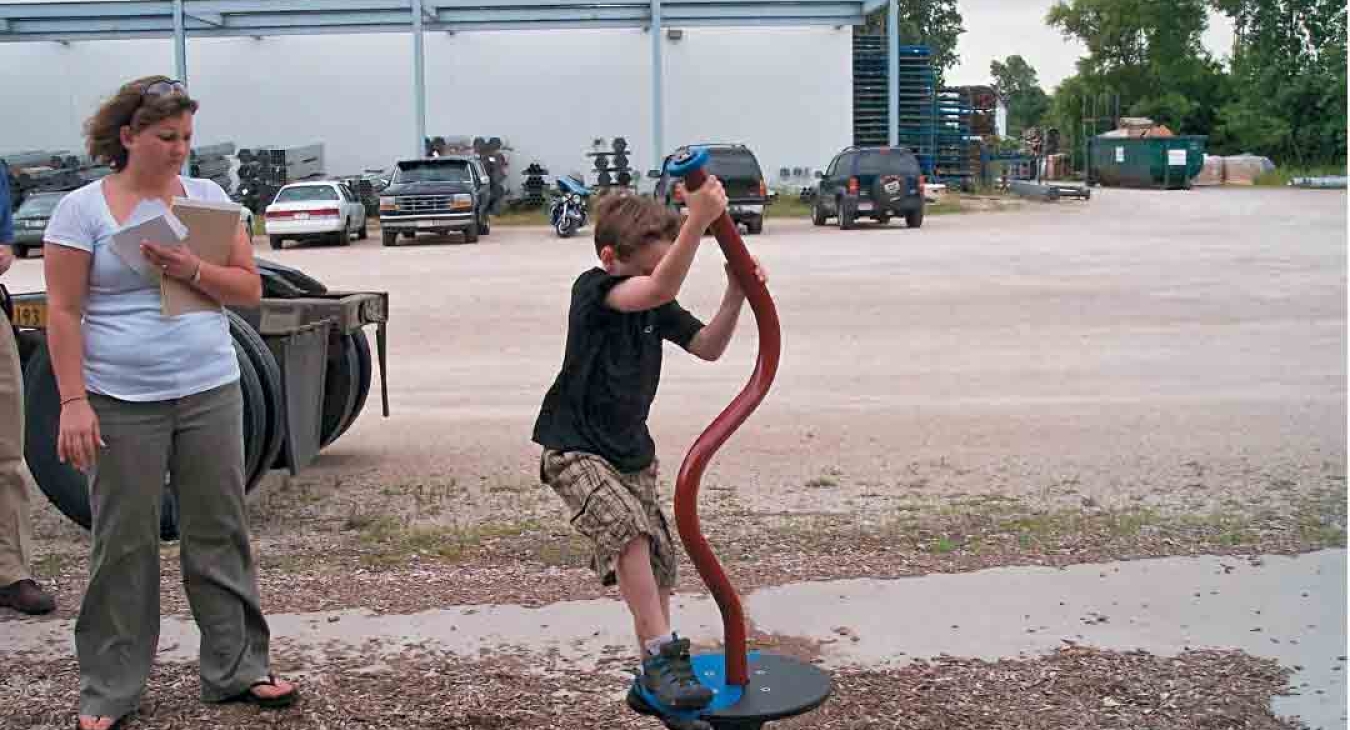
(143, 394)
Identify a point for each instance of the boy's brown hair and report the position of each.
(627, 223)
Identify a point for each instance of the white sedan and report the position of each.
(314, 210)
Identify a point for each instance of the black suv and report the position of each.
(436, 195)
(735, 165)
(870, 182)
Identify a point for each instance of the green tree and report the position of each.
(1289, 80)
(1015, 80)
(933, 23)
(1150, 53)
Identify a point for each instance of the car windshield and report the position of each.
(732, 163)
(886, 163)
(306, 193)
(433, 171)
(38, 206)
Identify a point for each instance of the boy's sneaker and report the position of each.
(669, 676)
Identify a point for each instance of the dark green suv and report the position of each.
(870, 182)
(735, 165)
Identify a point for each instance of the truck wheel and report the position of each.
(915, 219)
(342, 382)
(755, 226)
(389, 238)
(276, 242)
(363, 356)
(818, 215)
(272, 404)
(67, 488)
(471, 233)
(845, 217)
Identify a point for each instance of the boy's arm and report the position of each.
(640, 293)
(712, 340)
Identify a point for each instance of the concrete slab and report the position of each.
(1291, 609)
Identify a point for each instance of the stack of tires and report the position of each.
(349, 370)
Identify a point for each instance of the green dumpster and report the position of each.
(1145, 162)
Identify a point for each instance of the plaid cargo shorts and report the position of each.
(611, 508)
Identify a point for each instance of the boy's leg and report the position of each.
(637, 584)
(634, 551)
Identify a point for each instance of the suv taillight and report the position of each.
(763, 189)
(923, 185)
(853, 186)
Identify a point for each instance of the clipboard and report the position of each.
(211, 231)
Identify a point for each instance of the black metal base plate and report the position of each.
(780, 687)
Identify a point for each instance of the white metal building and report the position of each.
(785, 91)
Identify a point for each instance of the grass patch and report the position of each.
(1281, 176)
(788, 206)
(522, 217)
(946, 207)
(387, 541)
(944, 545)
(573, 551)
(973, 525)
(1322, 519)
(52, 565)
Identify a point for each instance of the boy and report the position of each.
(598, 455)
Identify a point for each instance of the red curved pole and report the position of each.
(712, 438)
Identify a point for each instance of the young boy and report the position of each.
(598, 455)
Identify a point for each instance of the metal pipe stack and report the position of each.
(47, 171)
(266, 169)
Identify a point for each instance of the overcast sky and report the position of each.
(996, 29)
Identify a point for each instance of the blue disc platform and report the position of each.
(780, 687)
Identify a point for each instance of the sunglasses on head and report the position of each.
(163, 88)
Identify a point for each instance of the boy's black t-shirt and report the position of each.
(600, 399)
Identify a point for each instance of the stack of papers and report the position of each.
(209, 229)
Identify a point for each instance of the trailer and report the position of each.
(306, 369)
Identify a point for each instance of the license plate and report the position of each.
(302, 216)
(30, 314)
(432, 224)
(892, 187)
(864, 206)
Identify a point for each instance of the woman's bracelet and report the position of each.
(73, 399)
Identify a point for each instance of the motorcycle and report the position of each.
(568, 213)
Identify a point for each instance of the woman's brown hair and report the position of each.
(131, 107)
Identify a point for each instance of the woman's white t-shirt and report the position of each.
(133, 352)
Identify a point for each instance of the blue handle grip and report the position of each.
(687, 162)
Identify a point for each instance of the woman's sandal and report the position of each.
(267, 703)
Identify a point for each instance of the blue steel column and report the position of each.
(658, 102)
(419, 81)
(893, 75)
(180, 59)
